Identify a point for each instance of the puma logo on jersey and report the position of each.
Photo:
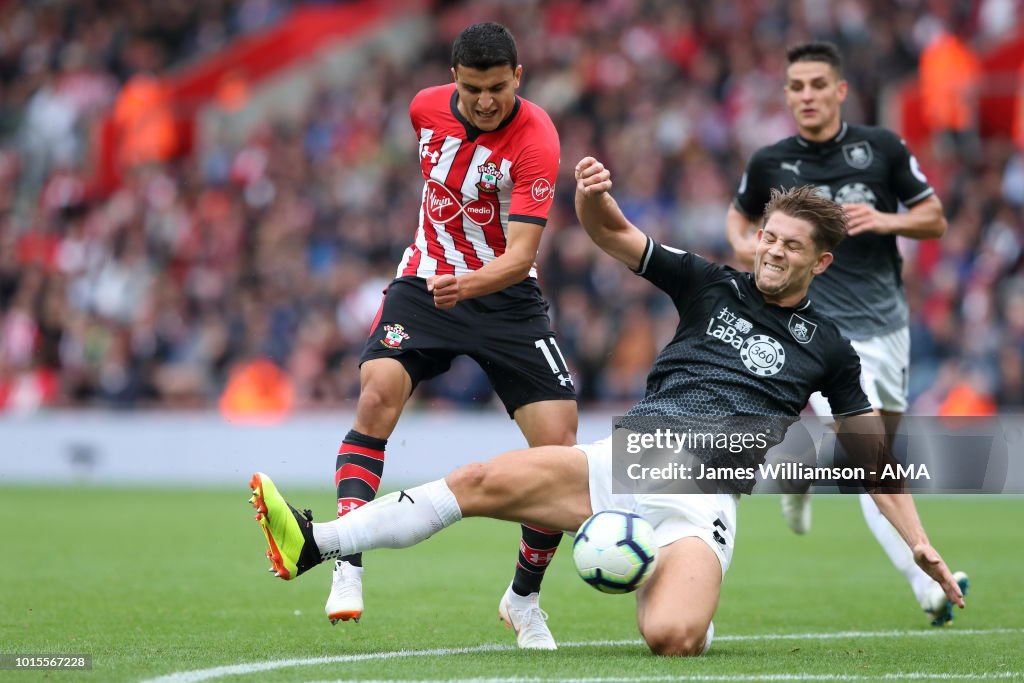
(794, 167)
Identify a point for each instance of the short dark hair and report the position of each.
(816, 51)
(806, 203)
(482, 46)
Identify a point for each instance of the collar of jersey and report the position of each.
(472, 132)
(803, 305)
(839, 137)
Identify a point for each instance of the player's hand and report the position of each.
(931, 562)
(864, 218)
(592, 178)
(445, 289)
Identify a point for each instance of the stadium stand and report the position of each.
(144, 278)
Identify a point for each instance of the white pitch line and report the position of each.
(823, 636)
(876, 634)
(238, 669)
(910, 675)
(198, 675)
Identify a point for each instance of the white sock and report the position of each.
(708, 637)
(900, 554)
(522, 601)
(397, 520)
(326, 540)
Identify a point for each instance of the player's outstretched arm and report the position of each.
(864, 444)
(601, 216)
(901, 512)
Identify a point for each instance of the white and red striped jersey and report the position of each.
(475, 182)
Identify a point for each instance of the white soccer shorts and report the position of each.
(884, 370)
(710, 517)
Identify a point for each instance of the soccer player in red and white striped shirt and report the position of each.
(467, 286)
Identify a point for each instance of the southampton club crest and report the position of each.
(858, 154)
(394, 335)
(489, 177)
(802, 329)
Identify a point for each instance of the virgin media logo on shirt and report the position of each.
(542, 189)
(442, 206)
(480, 212)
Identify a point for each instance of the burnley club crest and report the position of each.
(859, 155)
(802, 329)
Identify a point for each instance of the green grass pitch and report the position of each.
(157, 582)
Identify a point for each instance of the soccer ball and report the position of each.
(615, 551)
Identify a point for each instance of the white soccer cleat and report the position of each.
(346, 599)
(796, 510)
(524, 616)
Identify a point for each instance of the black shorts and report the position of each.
(507, 333)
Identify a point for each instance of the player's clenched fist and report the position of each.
(592, 177)
(445, 289)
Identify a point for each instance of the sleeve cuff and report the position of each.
(535, 220)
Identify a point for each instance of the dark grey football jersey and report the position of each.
(862, 291)
(735, 354)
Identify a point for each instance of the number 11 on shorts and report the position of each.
(562, 373)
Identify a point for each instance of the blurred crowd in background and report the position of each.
(248, 273)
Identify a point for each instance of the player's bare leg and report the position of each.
(545, 486)
(543, 423)
(548, 423)
(674, 608)
(385, 386)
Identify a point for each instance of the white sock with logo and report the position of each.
(397, 520)
(900, 554)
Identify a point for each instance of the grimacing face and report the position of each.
(487, 97)
(787, 259)
(814, 94)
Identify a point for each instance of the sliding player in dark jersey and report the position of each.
(771, 371)
(871, 173)
(467, 285)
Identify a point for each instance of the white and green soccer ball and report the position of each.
(615, 551)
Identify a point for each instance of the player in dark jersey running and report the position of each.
(467, 285)
(870, 172)
(770, 371)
